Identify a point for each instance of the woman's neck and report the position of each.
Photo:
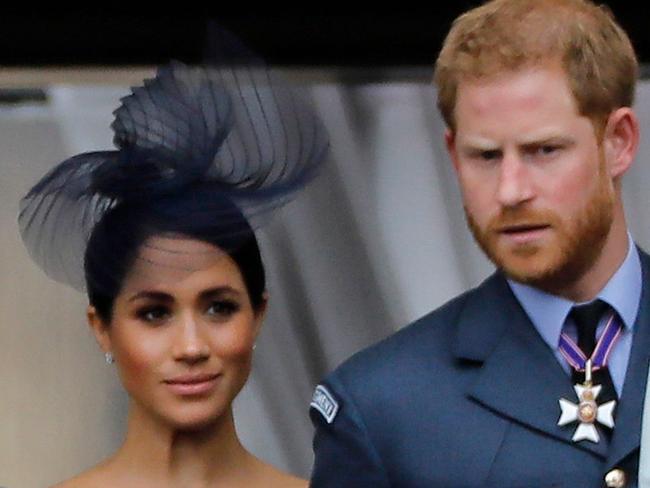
(154, 453)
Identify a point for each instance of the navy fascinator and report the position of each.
(214, 147)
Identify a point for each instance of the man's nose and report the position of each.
(515, 185)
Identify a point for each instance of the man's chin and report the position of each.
(528, 266)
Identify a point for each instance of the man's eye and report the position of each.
(153, 314)
(223, 308)
(490, 155)
(547, 150)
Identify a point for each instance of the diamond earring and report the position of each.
(109, 358)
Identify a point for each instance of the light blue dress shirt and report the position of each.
(549, 313)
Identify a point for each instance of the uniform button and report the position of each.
(615, 478)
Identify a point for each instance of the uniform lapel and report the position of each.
(627, 433)
(520, 377)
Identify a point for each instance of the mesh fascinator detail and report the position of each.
(217, 146)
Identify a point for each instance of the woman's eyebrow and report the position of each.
(219, 290)
(152, 295)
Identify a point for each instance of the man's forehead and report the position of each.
(539, 135)
(529, 84)
(527, 107)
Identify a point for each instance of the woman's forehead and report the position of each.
(177, 245)
(171, 261)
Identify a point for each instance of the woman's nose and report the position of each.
(190, 345)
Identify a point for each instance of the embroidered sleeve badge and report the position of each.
(324, 402)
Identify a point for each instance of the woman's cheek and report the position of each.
(137, 358)
(235, 343)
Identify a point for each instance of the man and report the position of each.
(644, 456)
(512, 384)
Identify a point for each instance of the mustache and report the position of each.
(516, 218)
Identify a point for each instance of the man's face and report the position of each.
(537, 194)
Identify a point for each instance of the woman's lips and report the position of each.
(188, 385)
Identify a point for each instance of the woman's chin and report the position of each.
(194, 420)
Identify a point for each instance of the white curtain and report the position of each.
(376, 242)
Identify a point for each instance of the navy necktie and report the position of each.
(586, 318)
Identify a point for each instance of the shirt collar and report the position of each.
(548, 312)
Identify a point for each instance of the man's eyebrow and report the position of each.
(476, 140)
(548, 140)
(485, 145)
(478, 145)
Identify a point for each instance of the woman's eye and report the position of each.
(153, 314)
(223, 308)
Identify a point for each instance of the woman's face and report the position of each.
(182, 331)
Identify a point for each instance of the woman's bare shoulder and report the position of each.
(292, 482)
(274, 478)
(93, 478)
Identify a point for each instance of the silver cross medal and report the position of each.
(587, 412)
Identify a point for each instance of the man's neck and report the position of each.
(590, 283)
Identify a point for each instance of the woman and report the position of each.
(171, 265)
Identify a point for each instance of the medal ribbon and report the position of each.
(577, 359)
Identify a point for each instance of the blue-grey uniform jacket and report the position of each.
(467, 396)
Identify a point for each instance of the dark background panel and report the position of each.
(292, 38)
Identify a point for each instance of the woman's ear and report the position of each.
(260, 313)
(100, 329)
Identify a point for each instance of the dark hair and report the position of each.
(197, 213)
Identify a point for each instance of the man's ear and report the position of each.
(100, 329)
(620, 141)
(450, 141)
